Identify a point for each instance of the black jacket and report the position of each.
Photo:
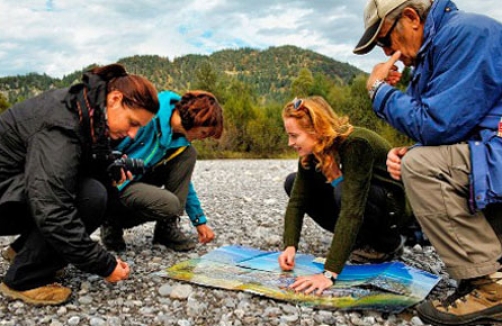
(41, 160)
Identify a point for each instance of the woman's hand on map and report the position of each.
(205, 233)
(310, 283)
(287, 258)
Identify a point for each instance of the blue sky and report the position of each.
(58, 37)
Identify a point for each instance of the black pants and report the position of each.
(379, 229)
(36, 261)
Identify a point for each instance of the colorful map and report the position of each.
(389, 287)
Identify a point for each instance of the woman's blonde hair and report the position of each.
(316, 117)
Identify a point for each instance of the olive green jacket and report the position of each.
(363, 162)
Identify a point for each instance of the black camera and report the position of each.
(135, 165)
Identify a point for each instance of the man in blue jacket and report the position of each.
(453, 108)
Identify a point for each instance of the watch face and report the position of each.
(328, 274)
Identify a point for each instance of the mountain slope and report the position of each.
(270, 71)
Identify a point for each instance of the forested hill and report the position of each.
(269, 72)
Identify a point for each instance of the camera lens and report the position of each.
(136, 166)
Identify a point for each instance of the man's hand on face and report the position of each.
(385, 71)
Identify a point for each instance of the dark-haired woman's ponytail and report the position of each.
(110, 72)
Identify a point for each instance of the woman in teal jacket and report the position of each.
(165, 190)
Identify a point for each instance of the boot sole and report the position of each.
(491, 315)
(473, 322)
(16, 295)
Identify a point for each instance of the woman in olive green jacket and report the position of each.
(343, 184)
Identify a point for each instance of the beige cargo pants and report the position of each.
(436, 180)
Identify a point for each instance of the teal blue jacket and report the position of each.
(151, 145)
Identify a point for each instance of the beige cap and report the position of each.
(374, 14)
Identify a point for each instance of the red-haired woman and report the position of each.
(342, 183)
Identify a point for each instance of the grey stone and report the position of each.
(416, 321)
(96, 321)
(181, 292)
(74, 320)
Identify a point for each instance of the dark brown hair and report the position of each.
(201, 109)
(138, 92)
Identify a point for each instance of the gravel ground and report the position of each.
(245, 202)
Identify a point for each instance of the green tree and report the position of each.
(302, 85)
(239, 112)
(206, 77)
(321, 86)
(4, 104)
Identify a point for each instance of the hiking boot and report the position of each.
(112, 237)
(368, 255)
(52, 294)
(8, 254)
(168, 233)
(480, 303)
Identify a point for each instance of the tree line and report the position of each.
(253, 122)
(254, 126)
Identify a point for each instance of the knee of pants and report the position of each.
(288, 183)
(91, 202)
(412, 162)
(165, 204)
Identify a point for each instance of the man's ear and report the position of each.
(412, 15)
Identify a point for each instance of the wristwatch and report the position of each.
(329, 275)
(374, 88)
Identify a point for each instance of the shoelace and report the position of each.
(466, 288)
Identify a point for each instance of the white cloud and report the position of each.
(58, 37)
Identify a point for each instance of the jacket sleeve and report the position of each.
(52, 171)
(295, 211)
(357, 161)
(463, 85)
(194, 208)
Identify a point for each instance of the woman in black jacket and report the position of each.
(53, 150)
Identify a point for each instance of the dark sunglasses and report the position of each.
(297, 103)
(385, 41)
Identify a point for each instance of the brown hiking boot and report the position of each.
(112, 237)
(52, 294)
(168, 233)
(368, 255)
(479, 302)
(8, 254)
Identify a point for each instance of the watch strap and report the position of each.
(329, 275)
(374, 88)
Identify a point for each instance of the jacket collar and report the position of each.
(435, 19)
